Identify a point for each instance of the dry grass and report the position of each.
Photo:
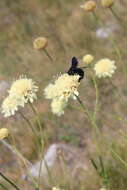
(71, 32)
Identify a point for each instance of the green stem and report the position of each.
(97, 18)
(42, 153)
(28, 122)
(49, 173)
(112, 40)
(117, 18)
(42, 137)
(36, 113)
(119, 158)
(86, 111)
(9, 181)
(97, 99)
(48, 55)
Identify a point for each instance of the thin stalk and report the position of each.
(117, 18)
(19, 155)
(65, 170)
(16, 152)
(114, 44)
(36, 113)
(86, 111)
(112, 41)
(39, 176)
(28, 122)
(119, 158)
(48, 55)
(96, 18)
(49, 173)
(97, 99)
(42, 141)
(9, 181)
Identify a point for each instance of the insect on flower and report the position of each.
(75, 70)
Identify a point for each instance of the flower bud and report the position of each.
(107, 3)
(40, 43)
(4, 132)
(88, 59)
(89, 6)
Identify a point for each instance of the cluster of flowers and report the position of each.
(90, 5)
(21, 91)
(63, 88)
(66, 86)
(60, 91)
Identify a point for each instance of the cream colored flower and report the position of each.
(107, 3)
(89, 5)
(64, 87)
(57, 106)
(56, 188)
(102, 189)
(105, 68)
(40, 43)
(4, 132)
(88, 59)
(24, 89)
(49, 91)
(10, 106)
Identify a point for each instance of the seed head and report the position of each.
(89, 6)
(40, 43)
(88, 59)
(4, 132)
(107, 3)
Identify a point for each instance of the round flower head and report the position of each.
(57, 107)
(107, 3)
(56, 188)
(40, 43)
(89, 5)
(88, 59)
(64, 87)
(4, 132)
(24, 89)
(105, 68)
(49, 91)
(10, 105)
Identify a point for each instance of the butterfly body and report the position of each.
(74, 70)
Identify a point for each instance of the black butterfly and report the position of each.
(75, 70)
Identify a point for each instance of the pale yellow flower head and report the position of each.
(64, 87)
(49, 91)
(10, 106)
(4, 132)
(102, 189)
(105, 68)
(56, 188)
(57, 106)
(40, 43)
(24, 89)
(89, 5)
(88, 58)
(107, 3)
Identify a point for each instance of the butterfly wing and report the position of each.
(74, 62)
